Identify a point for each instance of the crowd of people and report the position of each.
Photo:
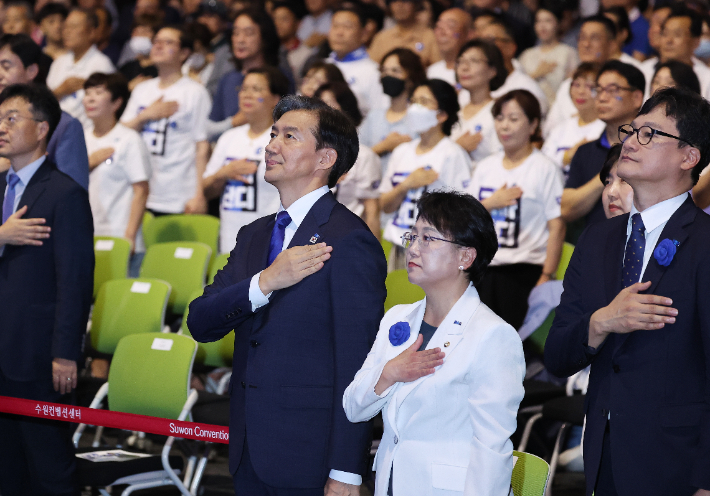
(510, 110)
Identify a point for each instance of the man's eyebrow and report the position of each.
(286, 129)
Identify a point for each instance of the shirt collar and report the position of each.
(358, 54)
(89, 53)
(634, 14)
(604, 141)
(25, 174)
(300, 208)
(658, 214)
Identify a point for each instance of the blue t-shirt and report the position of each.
(639, 37)
(226, 99)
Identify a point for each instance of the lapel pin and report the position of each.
(314, 238)
(446, 344)
(457, 322)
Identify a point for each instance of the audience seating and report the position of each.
(567, 250)
(112, 256)
(400, 290)
(182, 264)
(530, 475)
(127, 306)
(216, 354)
(218, 263)
(179, 227)
(151, 380)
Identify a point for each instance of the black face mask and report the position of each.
(392, 86)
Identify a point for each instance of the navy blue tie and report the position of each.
(277, 235)
(635, 246)
(8, 205)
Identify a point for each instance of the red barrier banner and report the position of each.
(117, 420)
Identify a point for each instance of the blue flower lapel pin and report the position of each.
(399, 333)
(665, 251)
(314, 238)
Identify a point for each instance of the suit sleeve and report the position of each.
(225, 303)
(566, 350)
(358, 294)
(71, 156)
(700, 477)
(73, 233)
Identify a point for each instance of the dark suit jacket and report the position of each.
(295, 356)
(46, 290)
(655, 383)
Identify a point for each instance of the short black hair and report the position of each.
(278, 83)
(679, 9)
(25, 5)
(682, 74)
(528, 102)
(608, 24)
(691, 113)
(332, 72)
(187, 40)
(587, 69)
(91, 18)
(494, 57)
(554, 7)
(199, 32)
(23, 46)
(51, 9)
(335, 130)
(634, 77)
(345, 98)
(353, 9)
(462, 218)
(498, 20)
(45, 107)
(622, 21)
(612, 156)
(374, 13)
(297, 7)
(115, 83)
(446, 99)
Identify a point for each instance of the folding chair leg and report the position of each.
(528, 429)
(555, 456)
(97, 436)
(189, 469)
(200, 471)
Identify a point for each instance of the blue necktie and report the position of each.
(277, 235)
(8, 205)
(635, 246)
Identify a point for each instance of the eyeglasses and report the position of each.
(408, 239)
(645, 134)
(9, 120)
(611, 90)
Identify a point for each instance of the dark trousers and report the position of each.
(505, 289)
(36, 455)
(247, 483)
(605, 478)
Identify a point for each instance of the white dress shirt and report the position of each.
(297, 211)
(25, 174)
(654, 220)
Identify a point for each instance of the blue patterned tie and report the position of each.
(277, 235)
(635, 246)
(8, 205)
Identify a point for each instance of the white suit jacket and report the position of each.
(446, 433)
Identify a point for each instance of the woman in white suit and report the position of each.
(446, 372)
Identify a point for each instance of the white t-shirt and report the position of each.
(448, 159)
(522, 228)
(564, 56)
(362, 182)
(242, 203)
(376, 128)
(484, 123)
(363, 76)
(65, 67)
(438, 70)
(111, 183)
(567, 134)
(172, 141)
(562, 109)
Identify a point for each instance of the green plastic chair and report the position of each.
(567, 250)
(530, 475)
(149, 376)
(183, 227)
(127, 306)
(386, 246)
(539, 337)
(112, 256)
(400, 290)
(218, 263)
(215, 354)
(182, 264)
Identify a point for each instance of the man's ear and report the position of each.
(690, 159)
(327, 158)
(43, 130)
(32, 71)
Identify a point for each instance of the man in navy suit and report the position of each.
(46, 283)
(304, 318)
(636, 305)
